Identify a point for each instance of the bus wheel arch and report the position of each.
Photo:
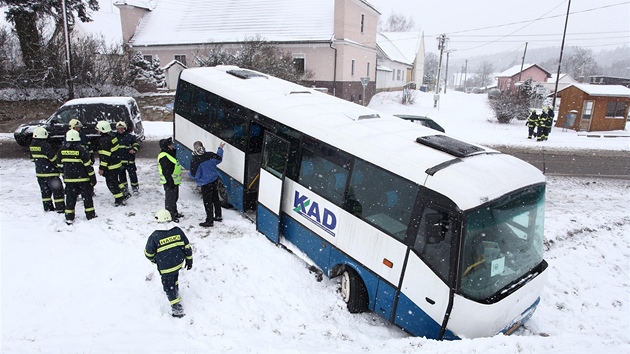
(353, 290)
(223, 194)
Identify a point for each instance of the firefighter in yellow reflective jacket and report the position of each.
(109, 164)
(78, 174)
(47, 171)
(170, 250)
(170, 176)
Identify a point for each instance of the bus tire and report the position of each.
(353, 291)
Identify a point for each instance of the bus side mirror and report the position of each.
(435, 225)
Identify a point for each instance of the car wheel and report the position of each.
(353, 291)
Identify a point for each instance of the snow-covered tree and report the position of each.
(398, 23)
(145, 73)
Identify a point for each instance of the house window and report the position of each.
(398, 75)
(393, 75)
(368, 70)
(148, 57)
(181, 58)
(615, 109)
(298, 63)
(362, 22)
(352, 68)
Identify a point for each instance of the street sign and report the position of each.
(365, 81)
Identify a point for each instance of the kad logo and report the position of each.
(325, 220)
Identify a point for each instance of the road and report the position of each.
(575, 163)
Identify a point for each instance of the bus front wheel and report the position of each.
(353, 291)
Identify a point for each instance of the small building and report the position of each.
(511, 78)
(609, 80)
(171, 73)
(400, 59)
(593, 107)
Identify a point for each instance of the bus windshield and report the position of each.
(502, 243)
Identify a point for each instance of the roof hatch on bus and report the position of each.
(359, 116)
(245, 74)
(449, 145)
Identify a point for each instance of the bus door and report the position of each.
(272, 171)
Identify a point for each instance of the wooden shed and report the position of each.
(593, 107)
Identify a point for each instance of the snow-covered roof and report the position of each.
(143, 4)
(383, 68)
(173, 62)
(602, 90)
(228, 21)
(517, 68)
(113, 100)
(399, 46)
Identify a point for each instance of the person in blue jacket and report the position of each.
(203, 168)
(170, 250)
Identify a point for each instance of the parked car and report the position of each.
(89, 111)
(426, 121)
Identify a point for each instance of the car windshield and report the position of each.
(502, 243)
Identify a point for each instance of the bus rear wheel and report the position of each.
(223, 198)
(353, 291)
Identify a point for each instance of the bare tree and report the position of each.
(398, 23)
(580, 63)
(430, 68)
(485, 71)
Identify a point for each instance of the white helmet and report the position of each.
(40, 133)
(121, 125)
(163, 215)
(103, 127)
(73, 135)
(75, 123)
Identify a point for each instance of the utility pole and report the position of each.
(522, 63)
(448, 52)
(67, 37)
(441, 45)
(555, 91)
(465, 75)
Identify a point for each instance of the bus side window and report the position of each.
(434, 240)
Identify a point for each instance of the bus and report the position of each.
(438, 236)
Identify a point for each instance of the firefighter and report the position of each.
(531, 123)
(47, 171)
(170, 250)
(170, 176)
(78, 175)
(109, 164)
(128, 147)
(540, 130)
(548, 122)
(85, 142)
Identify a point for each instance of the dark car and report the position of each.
(89, 111)
(426, 121)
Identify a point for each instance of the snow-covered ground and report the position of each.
(88, 288)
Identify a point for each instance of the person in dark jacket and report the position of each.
(531, 123)
(548, 122)
(109, 164)
(169, 249)
(85, 142)
(170, 176)
(540, 130)
(128, 148)
(47, 171)
(78, 175)
(203, 168)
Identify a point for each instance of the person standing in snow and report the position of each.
(203, 168)
(85, 142)
(46, 171)
(531, 123)
(170, 176)
(109, 164)
(78, 174)
(540, 130)
(170, 250)
(548, 122)
(128, 148)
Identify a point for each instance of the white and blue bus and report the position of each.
(438, 236)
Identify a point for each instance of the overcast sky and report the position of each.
(489, 26)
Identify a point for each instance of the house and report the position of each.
(400, 60)
(609, 80)
(511, 78)
(564, 81)
(593, 107)
(333, 39)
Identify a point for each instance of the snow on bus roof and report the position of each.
(387, 141)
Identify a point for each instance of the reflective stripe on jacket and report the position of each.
(177, 169)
